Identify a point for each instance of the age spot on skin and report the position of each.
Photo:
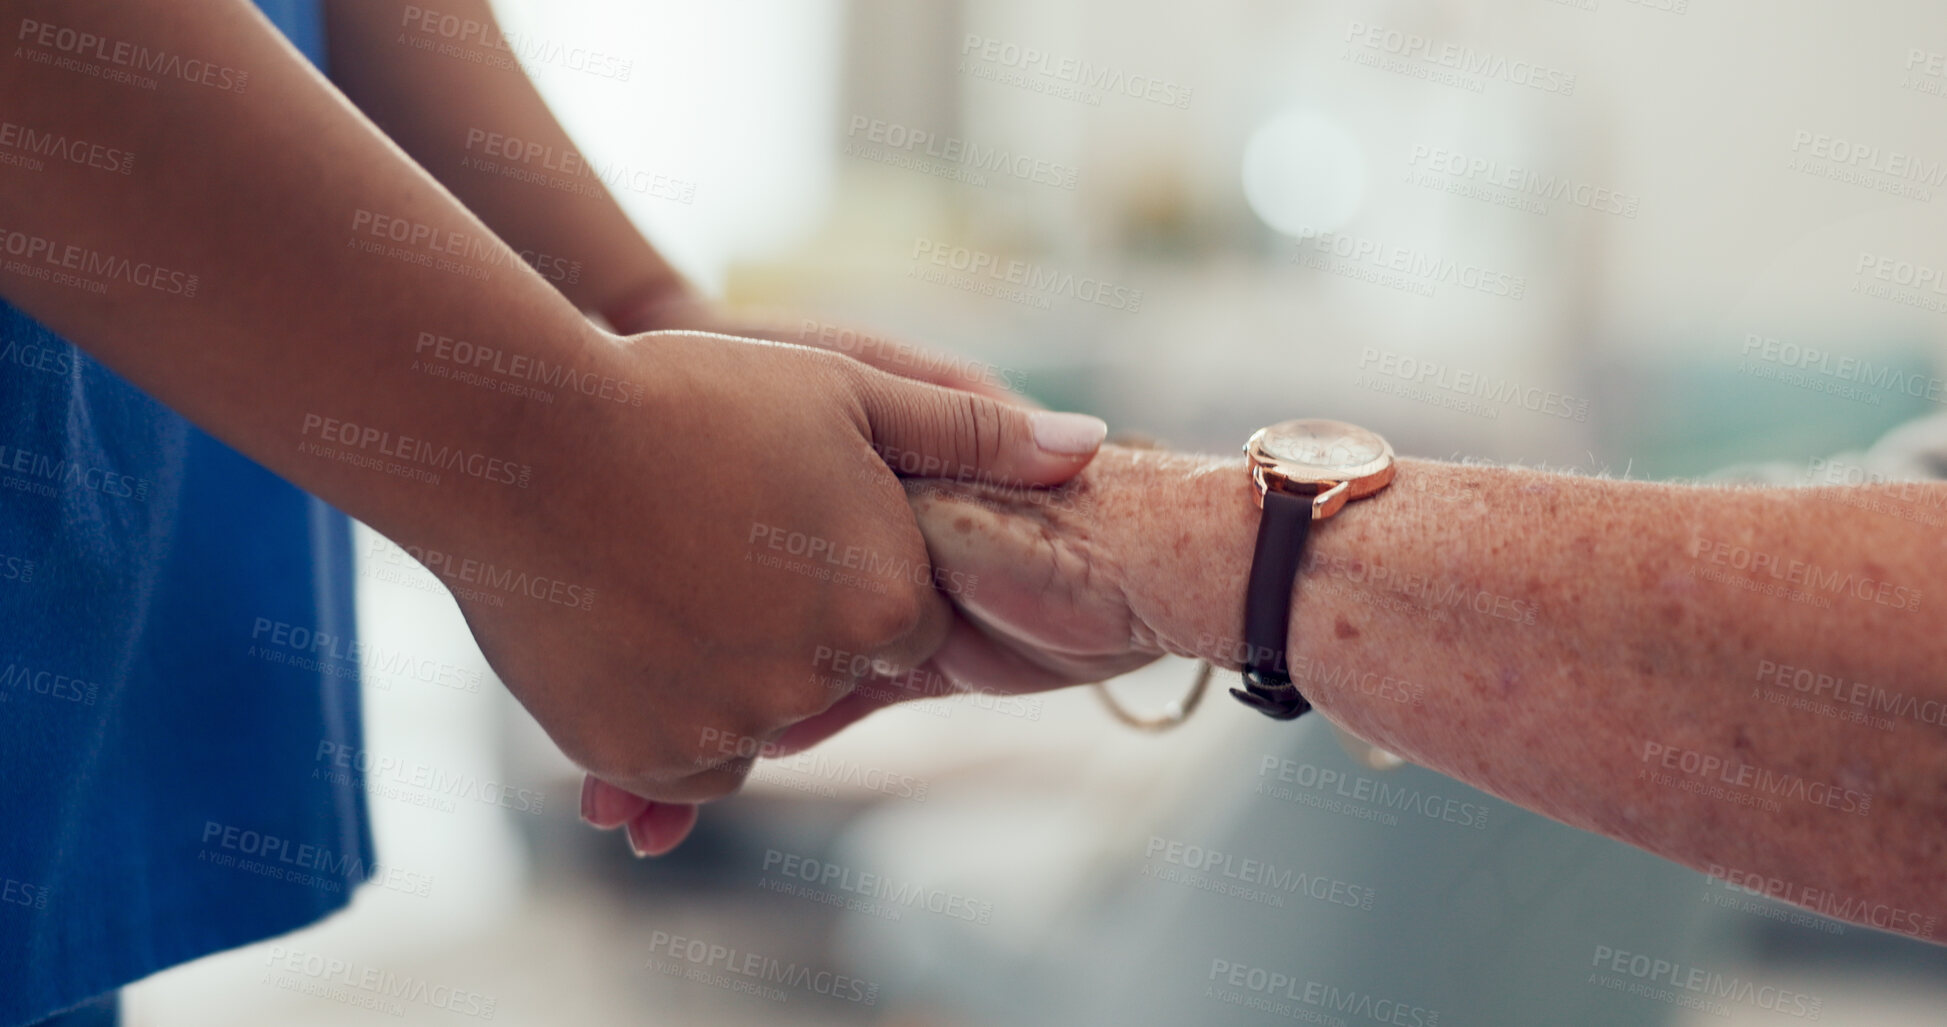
(1343, 628)
(963, 525)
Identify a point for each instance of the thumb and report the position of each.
(927, 431)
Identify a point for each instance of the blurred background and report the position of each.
(1602, 236)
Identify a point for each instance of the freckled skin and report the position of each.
(1628, 645)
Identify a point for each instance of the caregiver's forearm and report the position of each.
(442, 81)
(1622, 656)
(272, 268)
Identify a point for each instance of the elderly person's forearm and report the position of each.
(1745, 681)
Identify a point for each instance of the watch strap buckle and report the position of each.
(1272, 694)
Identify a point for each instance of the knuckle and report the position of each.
(876, 622)
(805, 699)
(717, 782)
(725, 745)
(702, 784)
(611, 758)
(753, 733)
(981, 422)
(845, 372)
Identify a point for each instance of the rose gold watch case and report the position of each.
(1331, 461)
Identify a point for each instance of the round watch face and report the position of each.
(1333, 449)
(1323, 453)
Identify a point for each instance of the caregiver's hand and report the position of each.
(1044, 608)
(736, 523)
(654, 828)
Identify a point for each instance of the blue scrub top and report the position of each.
(171, 622)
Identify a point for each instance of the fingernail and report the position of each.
(1067, 434)
(588, 798)
(638, 843)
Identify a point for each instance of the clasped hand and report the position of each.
(811, 548)
(740, 522)
(1052, 587)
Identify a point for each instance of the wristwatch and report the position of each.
(1305, 471)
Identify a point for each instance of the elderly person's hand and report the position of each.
(1064, 574)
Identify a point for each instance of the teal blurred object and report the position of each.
(1679, 420)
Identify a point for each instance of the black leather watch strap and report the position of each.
(1281, 535)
